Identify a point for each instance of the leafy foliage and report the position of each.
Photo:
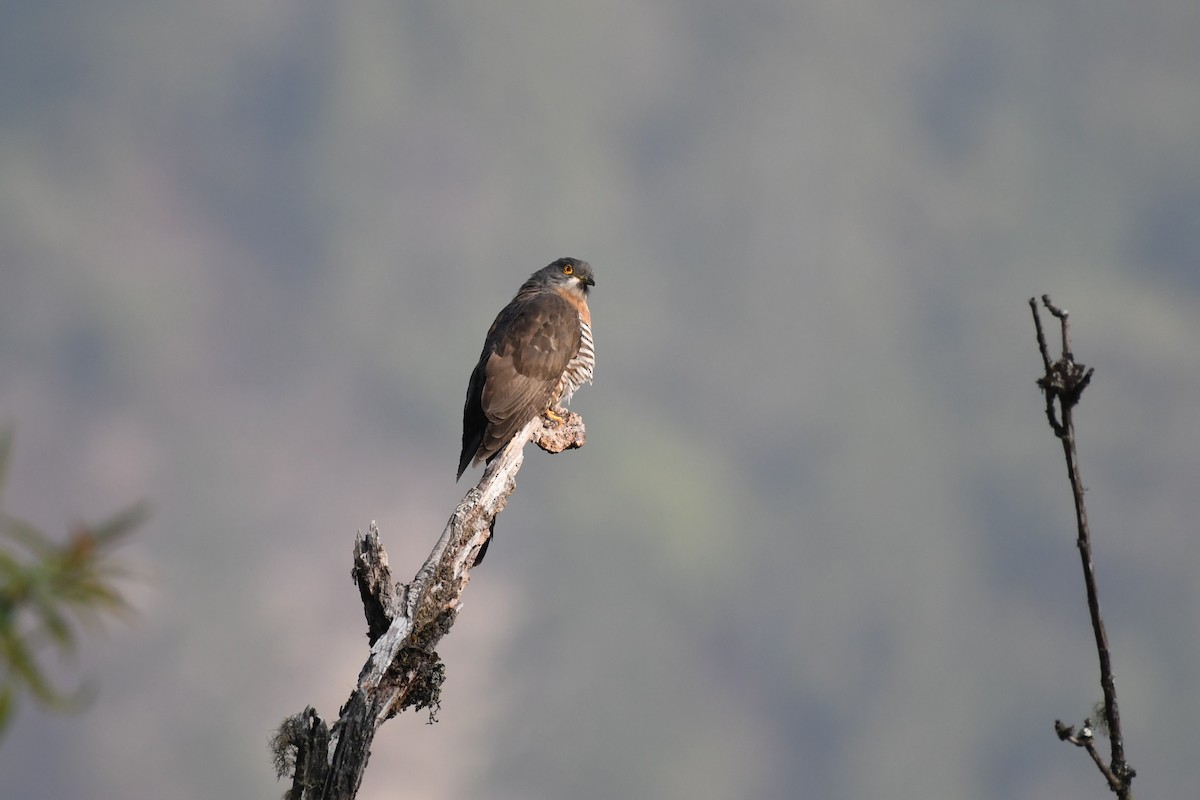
(48, 591)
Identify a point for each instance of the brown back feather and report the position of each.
(524, 355)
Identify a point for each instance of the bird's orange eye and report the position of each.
(568, 269)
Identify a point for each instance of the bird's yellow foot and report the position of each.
(554, 415)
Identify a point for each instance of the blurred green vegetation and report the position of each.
(49, 592)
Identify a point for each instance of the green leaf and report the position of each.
(120, 525)
(7, 706)
(23, 667)
(23, 533)
(6, 442)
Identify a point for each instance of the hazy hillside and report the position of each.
(819, 544)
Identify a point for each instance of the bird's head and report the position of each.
(568, 273)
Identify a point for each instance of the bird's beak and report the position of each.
(587, 281)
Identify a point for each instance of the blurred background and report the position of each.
(820, 543)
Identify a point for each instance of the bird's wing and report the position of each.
(531, 343)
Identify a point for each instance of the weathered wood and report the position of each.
(404, 624)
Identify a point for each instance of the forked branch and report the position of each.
(404, 624)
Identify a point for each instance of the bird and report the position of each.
(536, 354)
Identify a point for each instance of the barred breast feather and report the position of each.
(579, 369)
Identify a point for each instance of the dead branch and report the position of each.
(1063, 384)
(404, 624)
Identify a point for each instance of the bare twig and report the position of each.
(1085, 738)
(404, 624)
(1063, 384)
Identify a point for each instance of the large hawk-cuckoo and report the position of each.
(536, 354)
